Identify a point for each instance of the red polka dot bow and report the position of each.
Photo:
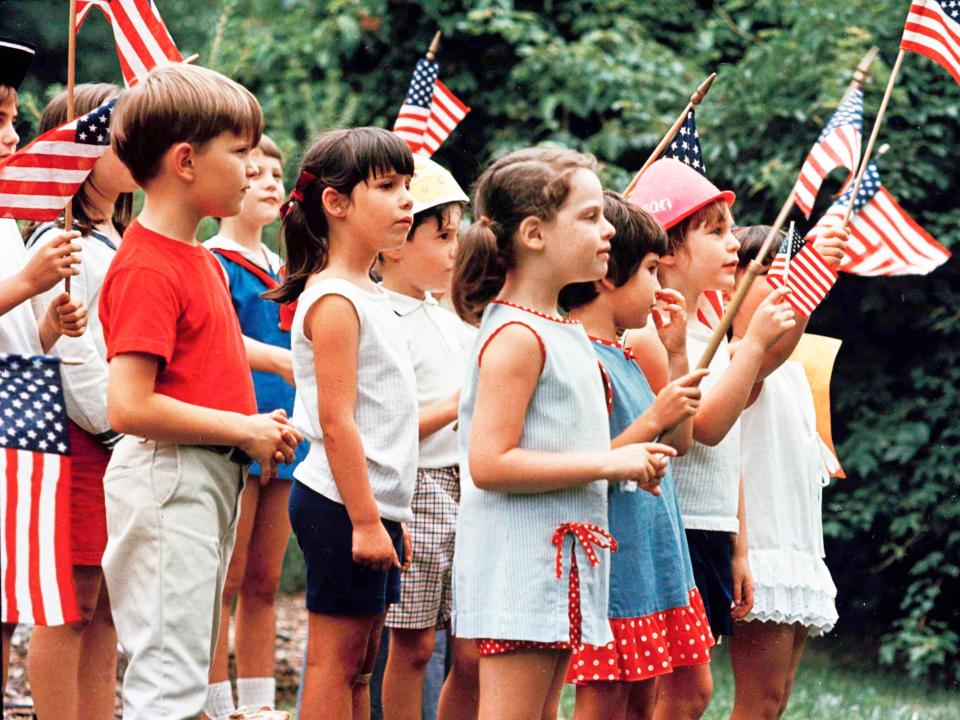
(589, 535)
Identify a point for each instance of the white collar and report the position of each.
(222, 242)
(404, 304)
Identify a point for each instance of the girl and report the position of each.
(531, 561)
(785, 466)
(702, 255)
(356, 401)
(656, 615)
(73, 667)
(264, 525)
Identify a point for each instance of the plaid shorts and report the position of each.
(425, 586)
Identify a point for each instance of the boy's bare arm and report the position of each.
(438, 415)
(134, 408)
(267, 358)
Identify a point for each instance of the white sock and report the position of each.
(219, 702)
(256, 692)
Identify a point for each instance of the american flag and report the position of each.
(35, 565)
(686, 145)
(37, 182)
(837, 146)
(143, 41)
(884, 240)
(429, 112)
(933, 29)
(807, 274)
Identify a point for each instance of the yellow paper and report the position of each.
(818, 353)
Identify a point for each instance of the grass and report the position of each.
(827, 690)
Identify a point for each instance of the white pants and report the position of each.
(171, 522)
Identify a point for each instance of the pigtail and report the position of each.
(480, 270)
(303, 232)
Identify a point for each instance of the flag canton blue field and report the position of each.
(32, 413)
(686, 145)
(850, 112)
(420, 92)
(868, 188)
(94, 127)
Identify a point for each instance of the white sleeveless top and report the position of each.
(386, 406)
(708, 477)
(785, 467)
(504, 576)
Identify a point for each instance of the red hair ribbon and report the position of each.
(303, 182)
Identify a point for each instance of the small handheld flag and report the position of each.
(39, 180)
(430, 111)
(884, 239)
(802, 269)
(35, 566)
(837, 146)
(933, 30)
(143, 41)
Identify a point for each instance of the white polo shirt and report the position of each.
(439, 343)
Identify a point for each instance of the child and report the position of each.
(656, 615)
(357, 401)
(534, 439)
(702, 255)
(264, 525)
(439, 343)
(179, 385)
(785, 466)
(22, 278)
(73, 667)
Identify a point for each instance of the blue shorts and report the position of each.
(336, 585)
(711, 555)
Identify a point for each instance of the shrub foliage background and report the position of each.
(607, 77)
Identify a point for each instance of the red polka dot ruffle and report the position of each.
(646, 647)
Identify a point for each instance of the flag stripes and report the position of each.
(809, 276)
(933, 30)
(143, 41)
(837, 146)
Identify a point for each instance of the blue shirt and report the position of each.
(260, 320)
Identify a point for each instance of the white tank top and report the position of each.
(708, 477)
(785, 465)
(386, 405)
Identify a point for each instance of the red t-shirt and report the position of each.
(170, 299)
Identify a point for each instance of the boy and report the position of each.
(439, 343)
(179, 385)
(252, 268)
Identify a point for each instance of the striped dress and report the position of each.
(506, 565)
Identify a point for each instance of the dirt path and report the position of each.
(291, 635)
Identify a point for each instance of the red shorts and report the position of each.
(88, 463)
(487, 646)
(646, 647)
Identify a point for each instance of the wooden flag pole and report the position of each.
(865, 161)
(756, 266)
(695, 99)
(71, 74)
(434, 46)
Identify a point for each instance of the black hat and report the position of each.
(15, 57)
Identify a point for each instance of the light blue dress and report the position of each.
(504, 581)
